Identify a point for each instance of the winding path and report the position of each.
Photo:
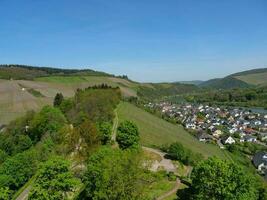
(168, 166)
(171, 192)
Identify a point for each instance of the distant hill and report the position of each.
(255, 77)
(225, 83)
(196, 82)
(158, 90)
(24, 72)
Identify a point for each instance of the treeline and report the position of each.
(31, 72)
(256, 97)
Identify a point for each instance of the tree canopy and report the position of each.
(54, 181)
(113, 174)
(217, 179)
(128, 135)
(48, 120)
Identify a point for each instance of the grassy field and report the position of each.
(156, 131)
(254, 79)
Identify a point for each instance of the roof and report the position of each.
(248, 137)
(225, 138)
(259, 158)
(202, 135)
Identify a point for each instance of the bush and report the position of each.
(177, 151)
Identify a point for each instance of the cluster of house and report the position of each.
(217, 123)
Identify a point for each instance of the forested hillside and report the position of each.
(25, 72)
(225, 83)
(159, 90)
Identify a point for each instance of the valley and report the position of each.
(94, 116)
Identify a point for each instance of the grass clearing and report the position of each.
(152, 156)
(156, 131)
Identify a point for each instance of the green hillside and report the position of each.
(225, 83)
(245, 79)
(254, 79)
(156, 131)
(158, 90)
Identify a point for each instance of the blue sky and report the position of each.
(149, 40)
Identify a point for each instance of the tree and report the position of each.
(217, 179)
(48, 120)
(177, 151)
(5, 193)
(113, 174)
(128, 135)
(17, 170)
(54, 181)
(58, 99)
(105, 130)
(83, 140)
(3, 156)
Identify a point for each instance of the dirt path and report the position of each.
(171, 192)
(24, 195)
(167, 165)
(115, 126)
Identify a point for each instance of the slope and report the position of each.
(25, 72)
(17, 97)
(156, 131)
(254, 77)
(158, 90)
(225, 83)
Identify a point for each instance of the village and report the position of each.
(224, 126)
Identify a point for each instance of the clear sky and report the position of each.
(149, 40)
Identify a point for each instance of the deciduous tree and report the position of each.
(128, 135)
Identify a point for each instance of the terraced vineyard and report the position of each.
(16, 97)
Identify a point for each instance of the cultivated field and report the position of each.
(128, 88)
(254, 79)
(156, 131)
(15, 101)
